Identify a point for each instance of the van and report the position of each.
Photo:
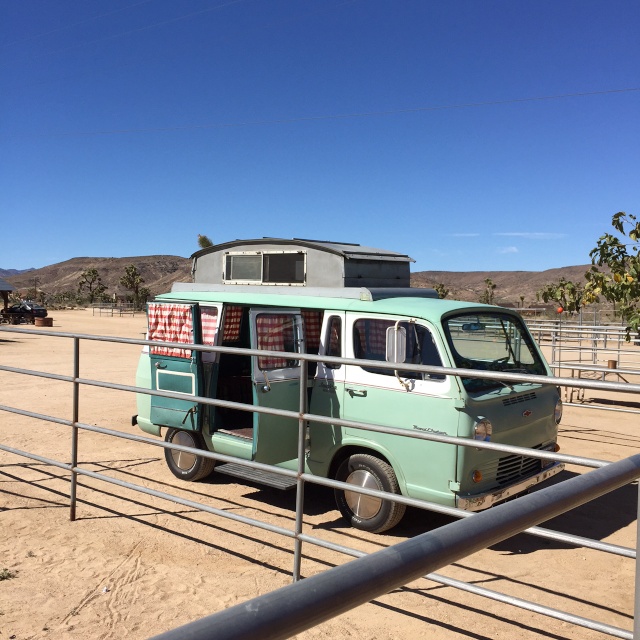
(365, 324)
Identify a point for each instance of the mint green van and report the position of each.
(370, 324)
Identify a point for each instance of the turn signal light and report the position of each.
(476, 476)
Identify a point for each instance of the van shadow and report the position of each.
(317, 499)
(597, 520)
(610, 402)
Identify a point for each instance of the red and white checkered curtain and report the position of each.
(209, 325)
(275, 332)
(373, 338)
(377, 338)
(170, 323)
(231, 329)
(209, 322)
(312, 324)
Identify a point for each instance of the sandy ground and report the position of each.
(133, 565)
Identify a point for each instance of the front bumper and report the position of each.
(480, 501)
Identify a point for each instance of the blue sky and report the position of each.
(470, 134)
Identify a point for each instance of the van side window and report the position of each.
(170, 323)
(276, 332)
(369, 343)
(333, 340)
(209, 326)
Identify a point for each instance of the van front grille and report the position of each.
(510, 468)
(518, 399)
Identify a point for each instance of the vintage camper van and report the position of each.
(345, 301)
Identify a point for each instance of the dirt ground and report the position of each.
(133, 565)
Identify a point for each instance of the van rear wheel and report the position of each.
(183, 465)
(366, 512)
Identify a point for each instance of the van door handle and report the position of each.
(357, 393)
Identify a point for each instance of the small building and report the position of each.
(5, 289)
(299, 262)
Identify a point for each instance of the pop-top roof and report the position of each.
(345, 249)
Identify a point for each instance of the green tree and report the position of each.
(441, 290)
(91, 281)
(144, 294)
(620, 282)
(489, 289)
(567, 294)
(204, 242)
(132, 280)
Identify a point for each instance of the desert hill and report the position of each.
(160, 272)
(510, 285)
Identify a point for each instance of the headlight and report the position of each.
(557, 414)
(482, 430)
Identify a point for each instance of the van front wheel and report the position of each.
(183, 465)
(366, 512)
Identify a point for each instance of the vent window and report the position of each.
(265, 268)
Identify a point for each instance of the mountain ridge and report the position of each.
(161, 271)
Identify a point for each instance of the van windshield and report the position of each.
(491, 342)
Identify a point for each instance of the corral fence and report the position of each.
(313, 600)
(597, 352)
(113, 309)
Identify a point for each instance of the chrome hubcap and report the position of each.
(181, 459)
(364, 507)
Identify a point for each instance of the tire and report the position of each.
(365, 512)
(187, 466)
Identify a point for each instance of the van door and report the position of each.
(276, 382)
(412, 401)
(175, 369)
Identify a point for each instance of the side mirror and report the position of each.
(396, 344)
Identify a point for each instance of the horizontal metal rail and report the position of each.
(323, 596)
(303, 416)
(418, 435)
(334, 484)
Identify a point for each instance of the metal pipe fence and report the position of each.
(589, 351)
(302, 416)
(324, 596)
(593, 341)
(114, 308)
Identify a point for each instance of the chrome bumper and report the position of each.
(478, 502)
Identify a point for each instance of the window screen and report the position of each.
(265, 268)
(244, 268)
(283, 268)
